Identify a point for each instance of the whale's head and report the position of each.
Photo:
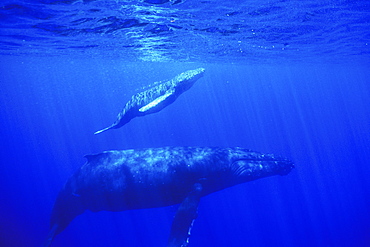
(186, 80)
(247, 165)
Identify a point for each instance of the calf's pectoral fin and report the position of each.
(184, 218)
(157, 101)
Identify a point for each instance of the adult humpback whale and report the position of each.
(159, 177)
(156, 98)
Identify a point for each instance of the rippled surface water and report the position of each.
(180, 30)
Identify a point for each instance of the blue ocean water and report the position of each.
(283, 77)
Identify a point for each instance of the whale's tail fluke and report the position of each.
(103, 130)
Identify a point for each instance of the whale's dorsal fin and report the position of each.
(157, 101)
(184, 218)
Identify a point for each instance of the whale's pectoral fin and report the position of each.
(51, 236)
(157, 101)
(184, 218)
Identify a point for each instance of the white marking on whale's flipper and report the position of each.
(184, 218)
(157, 101)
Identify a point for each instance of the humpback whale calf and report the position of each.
(158, 177)
(155, 98)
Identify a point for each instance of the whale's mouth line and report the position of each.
(288, 165)
(268, 160)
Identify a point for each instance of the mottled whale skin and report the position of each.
(156, 98)
(159, 177)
